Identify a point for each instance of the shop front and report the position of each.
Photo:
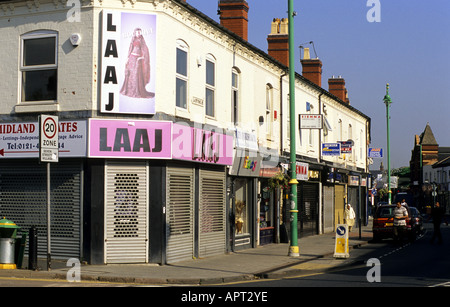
(270, 199)
(23, 185)
(164, 190)
(308, 199)
(243, 199)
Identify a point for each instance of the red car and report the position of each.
(383, 223)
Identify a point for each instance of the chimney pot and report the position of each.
(234, 16)
(278, 41)
(336, 86)
(311, 68)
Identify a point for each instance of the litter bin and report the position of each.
(8, 232)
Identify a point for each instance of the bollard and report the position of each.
(32, 249)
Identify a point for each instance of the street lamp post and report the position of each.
(387, 101)
(293, 248)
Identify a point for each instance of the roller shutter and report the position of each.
(328, 204)
(308, 204)
(180, 214)
(23, 199)
(126, 212)
(212, 213)
(339, 205)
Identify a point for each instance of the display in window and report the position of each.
(240, 216)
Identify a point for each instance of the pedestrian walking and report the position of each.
(437, 214)
(349, 217)
(400, 216)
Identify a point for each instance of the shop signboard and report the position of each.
(202, 145)
(375, 152)
(130, 139)
(21, 139)
(310, 121)
(128, 58)
(331, 149)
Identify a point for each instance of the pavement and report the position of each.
(269, 261)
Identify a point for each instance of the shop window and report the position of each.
(241, 207)
(39, 65)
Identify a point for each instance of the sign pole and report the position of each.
(49, 153)
(49, 257)
(293, 248)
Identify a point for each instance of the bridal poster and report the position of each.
(128, 63)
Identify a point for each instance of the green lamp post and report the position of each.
(293, 248)
(387, 101)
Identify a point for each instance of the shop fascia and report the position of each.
(134, 139)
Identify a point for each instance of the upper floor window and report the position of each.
(181, 75)
(39, 65)
(210, 86)
(235, 96)
(269, 101)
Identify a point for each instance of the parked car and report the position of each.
(383, 223)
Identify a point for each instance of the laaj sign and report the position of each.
(128, 57)
(202, 145)
(130, 139)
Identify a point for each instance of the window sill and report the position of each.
(36, 108)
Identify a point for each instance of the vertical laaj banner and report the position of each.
(128, 63)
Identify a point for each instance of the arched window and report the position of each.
(235, 79)
(182, 77)
(269, 106)
(210, 85)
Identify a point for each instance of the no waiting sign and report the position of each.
(48, 138)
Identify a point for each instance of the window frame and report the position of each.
(40, 34)
(235, 96)
(210, 87)
(269, 109)
(183, 47)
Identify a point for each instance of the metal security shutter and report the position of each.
(308, 204)
(180, 214)
(126, 212)
(23, 199)
(328, 204)
(212, 213)
(339, 195)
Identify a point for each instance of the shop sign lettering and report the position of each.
(250, 164)
(130, 139)
(202, 145)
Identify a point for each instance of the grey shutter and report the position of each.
(180, 214)
(126, 212)
(212, 213)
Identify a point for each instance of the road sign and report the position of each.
(341, 249)
(48, 138)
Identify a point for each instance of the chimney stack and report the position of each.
(234, 16)
(278, 41)
(311, 68)
(336, 86)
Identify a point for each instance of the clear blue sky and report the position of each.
(409, 49)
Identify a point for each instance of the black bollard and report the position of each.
(32, 249)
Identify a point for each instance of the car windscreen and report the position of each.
(385, 212)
